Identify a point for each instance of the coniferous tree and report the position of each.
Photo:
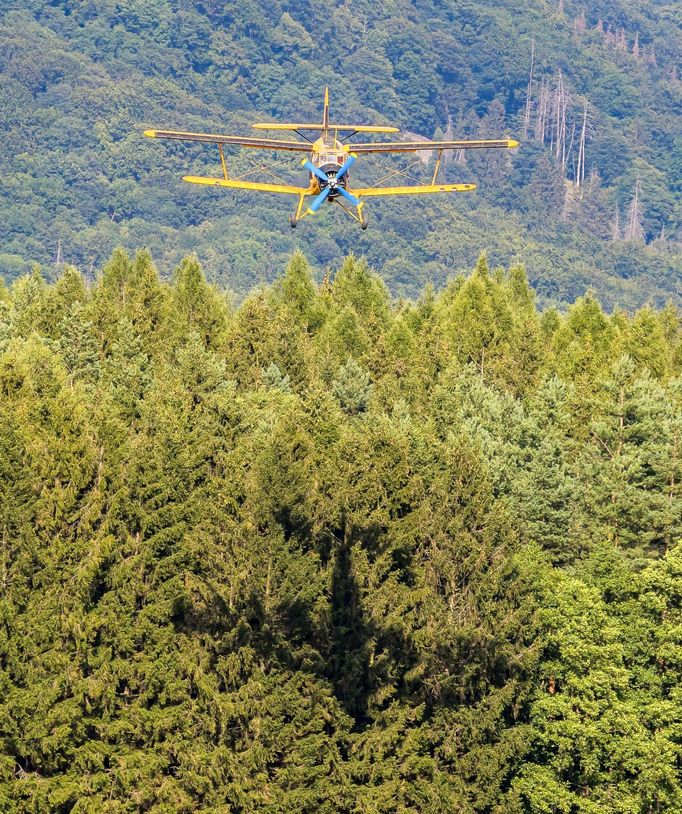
(545, 489)
(352, 387)
(623, 468)
(79, 346)
(196, 305)
(273, 377)
(298, 294)
(127, 367)
(325, 552)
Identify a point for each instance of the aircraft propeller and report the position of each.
(332, 183)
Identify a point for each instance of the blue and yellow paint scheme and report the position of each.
(329, 161)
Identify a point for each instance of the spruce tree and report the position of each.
(297, 292)
(544, 491)
(623, 469)
(352, 387)
(79, 346)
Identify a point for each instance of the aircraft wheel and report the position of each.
(293, 221)
(364, 223)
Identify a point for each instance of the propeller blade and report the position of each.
(351, 198)
(308, 164)
(320, 199)
(346, 166)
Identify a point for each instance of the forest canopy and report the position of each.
(327, 551)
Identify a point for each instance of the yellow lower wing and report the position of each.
(252, 185)
(418, 190)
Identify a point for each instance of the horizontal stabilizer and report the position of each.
(418, 190)
(358, 128)
(254, 186)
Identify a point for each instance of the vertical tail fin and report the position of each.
(325, 111)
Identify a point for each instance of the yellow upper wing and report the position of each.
(424, 189)
(358, 128)
(214, 138)
(413, 146)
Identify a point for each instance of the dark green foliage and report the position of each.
(327, 553)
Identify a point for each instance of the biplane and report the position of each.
(329, 160)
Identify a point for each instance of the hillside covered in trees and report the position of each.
(592, 89)
(323, 552)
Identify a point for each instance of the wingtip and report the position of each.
(512, 143)
(150, 133)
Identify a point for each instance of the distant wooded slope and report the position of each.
(80, 80)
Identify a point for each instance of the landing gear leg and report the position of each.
(298, 214)
(358, 215)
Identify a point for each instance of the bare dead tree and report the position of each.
(615, 225)
(580, 171)
(569, 149)
(529, 92)
(558, 129)
(634, 228)
(542, 112)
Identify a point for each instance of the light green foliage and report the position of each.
(79, 346)
(352, 387)
(323, 552)
(273, 377)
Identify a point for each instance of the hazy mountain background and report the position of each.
(80, 79)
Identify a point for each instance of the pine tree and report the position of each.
(624, 470)
(297, 292)
(352, 387)
(322, 552)
(646, 345)
(587, 729)
(30, 305)
(583, 345)
(79, 346)
(127, 368)
(545, 489)
(365, 292)
(196, 305)
(274, 378)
